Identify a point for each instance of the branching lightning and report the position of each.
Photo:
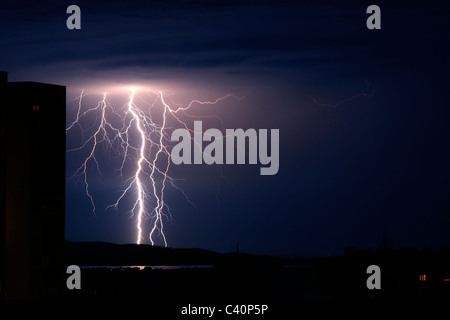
(138, 132)
(143, 144)
(346, 100)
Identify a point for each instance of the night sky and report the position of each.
(363, 115)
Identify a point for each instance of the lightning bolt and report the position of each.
(346, 100)
(140, 199)
(143, 144)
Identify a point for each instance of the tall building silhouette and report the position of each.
(32, 142)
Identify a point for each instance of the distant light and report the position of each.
(422, 277)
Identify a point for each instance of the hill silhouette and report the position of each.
(406, 273)
(109, 254)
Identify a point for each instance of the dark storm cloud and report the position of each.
(196, 34)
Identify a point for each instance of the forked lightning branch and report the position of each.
(151, 132)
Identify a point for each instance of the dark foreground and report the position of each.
(405, 274)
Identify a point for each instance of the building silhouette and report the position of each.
(32, 142)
